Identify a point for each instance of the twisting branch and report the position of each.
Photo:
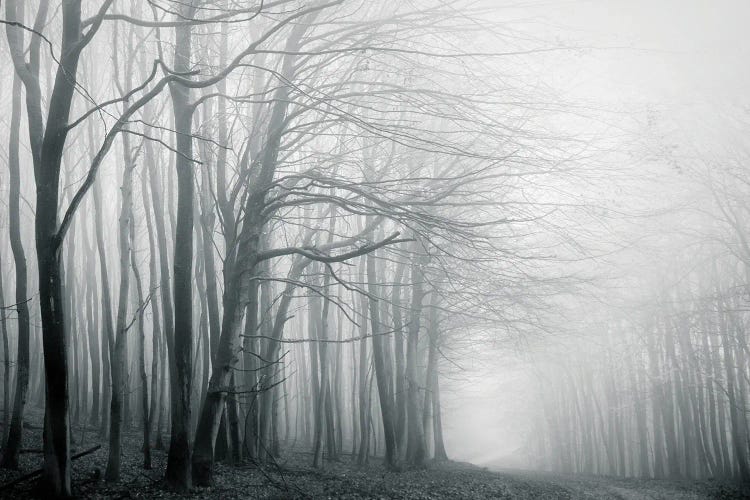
(314, 253)
(140, 309)
(321, 341)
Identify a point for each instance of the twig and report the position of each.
(37, 472)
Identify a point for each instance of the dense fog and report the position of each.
(246, 237)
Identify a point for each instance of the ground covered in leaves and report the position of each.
(293, 477)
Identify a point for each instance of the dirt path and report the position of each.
(523, 484)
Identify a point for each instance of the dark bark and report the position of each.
(382, 372)
(6, 364)
(178, 474)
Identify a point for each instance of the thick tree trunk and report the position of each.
(56, 476)
(178, 474)
(213, 404)
(382, 372)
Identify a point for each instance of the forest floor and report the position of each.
(294, 477)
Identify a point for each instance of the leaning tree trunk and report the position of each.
(239, 268)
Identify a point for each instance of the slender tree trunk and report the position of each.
(6, 363)
(415, 452)
(364, 407)
(401, 382)
(14, 428)
(433, 383)
(120, 360)
(640, 417)
(156, 331)
(315, 324)
(250, 349)
(28, 73)
(657, 397)
(145, 410)
(235, 435)
(108, 328)
(164, 289)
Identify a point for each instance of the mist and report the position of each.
(349, 249)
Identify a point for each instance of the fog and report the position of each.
(676, 62)
(241, 238)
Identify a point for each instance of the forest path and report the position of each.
(530, 484)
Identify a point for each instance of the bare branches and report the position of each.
(224, 17)
(316, 255)
(320, 341)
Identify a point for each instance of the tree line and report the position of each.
(256, 225)
(658, 384)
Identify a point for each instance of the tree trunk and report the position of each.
(14, 430)
(433, 386)
(120, 358)
(382, 371)
(415, 451)
(364, 406)
(178, 474)
(108, 328)
(56, 476)
(6, 364)
(398, 333)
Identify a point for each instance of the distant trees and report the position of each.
(660, 387)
